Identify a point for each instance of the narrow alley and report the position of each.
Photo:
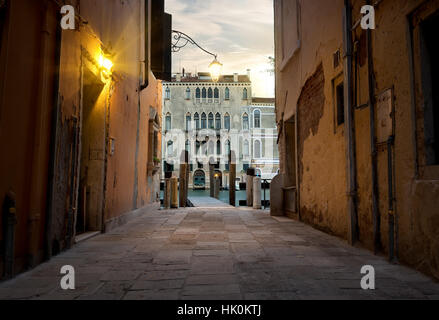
(224, 253)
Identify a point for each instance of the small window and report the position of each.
(227, 94)
(218, 121)
(198, 93)
(216, 95)
(245, 94)
(168, 122)
(204, 93)
(339, 93)
(245, 123)
(167, 93)
(203, 121)
(227, 121)
(188, 93)
(211, 125)
(257, 115)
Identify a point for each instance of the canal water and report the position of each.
(224, 195)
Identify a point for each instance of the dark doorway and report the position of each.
(93, 154)
(430, 84)
(199, 180)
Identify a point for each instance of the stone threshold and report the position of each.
(85, 236)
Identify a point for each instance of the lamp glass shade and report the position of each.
(215, 69)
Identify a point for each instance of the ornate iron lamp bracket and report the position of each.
(181, 40)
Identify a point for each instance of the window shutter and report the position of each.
(161, 59)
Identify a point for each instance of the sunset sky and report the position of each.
(239, 31)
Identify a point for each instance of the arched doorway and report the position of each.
(199, 180)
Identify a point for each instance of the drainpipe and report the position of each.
(375, 199)
(54, 138)
(350, 129)
(390, 166)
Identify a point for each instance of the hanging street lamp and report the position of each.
(180, 40)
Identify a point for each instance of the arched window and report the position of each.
(210, 95)
(203, 121)
(188, 146)
(227, 121)
(198, 93)
(258, 172)
(204, 93)
(227, 94)
(188, 122)
(245, 94)
(257, 116)
(211, 121)
(246, 148)
(218, 147)
(218, 121)
(188, 93)
(228, 147)
(170, 149)
(168, 122)
(197, 121)
(245, 123)
(216, 94)
(167, 93)
(258, 149)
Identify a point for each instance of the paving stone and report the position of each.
(209, 254)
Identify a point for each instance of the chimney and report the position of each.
(235, 77)
(249, 74)
(178, 77)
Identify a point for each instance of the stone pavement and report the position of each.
(222, 253)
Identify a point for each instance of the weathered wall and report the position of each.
(321, 143)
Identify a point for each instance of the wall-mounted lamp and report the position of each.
(106, 66)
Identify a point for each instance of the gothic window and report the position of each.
(203, 121)
(197, 121)
(204, 93)
(168, 122)
(210, 95)
(245, 94)
(257, 115)
(227, 94)
(167, 93)
(198, 93)
(211, 121)
(217, 121)
(228, 147)
(188, 122)
(245, 123)
(227, 121)
(216, 94)
(218, 147)
(246, 148)
(188, 93)
(258, 149)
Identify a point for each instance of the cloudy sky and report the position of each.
(239, 31)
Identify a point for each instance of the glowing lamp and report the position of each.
(105, 64)
(215, 69)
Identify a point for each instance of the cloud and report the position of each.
(239, 31)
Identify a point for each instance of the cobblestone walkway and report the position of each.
(217, 254)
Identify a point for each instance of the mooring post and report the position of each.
(249, 186)
(232, 179)
(257, 193)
